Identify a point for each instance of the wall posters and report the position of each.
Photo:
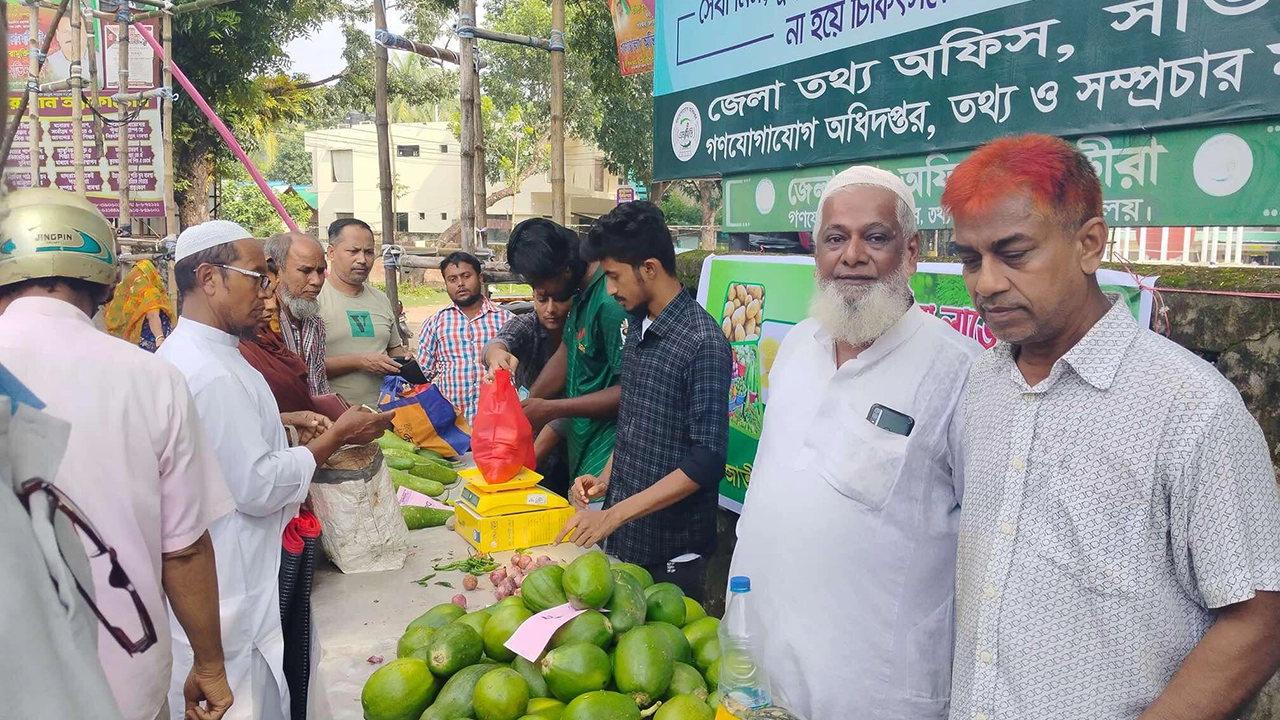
(753, 85)
(769, 294)
(102, 181)
(633, 26)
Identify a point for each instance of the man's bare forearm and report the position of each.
(661, 495)
(1230, 664)
(551, 381)
(599, 404)
(190, 580)
(340, 365)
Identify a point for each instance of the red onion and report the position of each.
(460, 600)
(469, 582)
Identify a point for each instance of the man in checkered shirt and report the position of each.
(661, 485)
(1119, 552)
(451, 342)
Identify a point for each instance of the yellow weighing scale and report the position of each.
(516, 514)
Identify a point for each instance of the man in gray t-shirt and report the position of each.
(362, 333)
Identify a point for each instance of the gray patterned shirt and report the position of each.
(1107, 512)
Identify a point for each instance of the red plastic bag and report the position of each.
(501, 437)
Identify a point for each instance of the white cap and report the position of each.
(206, 235)
(865, 175)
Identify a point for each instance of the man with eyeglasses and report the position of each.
(136, 459)
(221, 274)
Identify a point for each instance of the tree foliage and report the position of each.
(244, 203)
(292, 162)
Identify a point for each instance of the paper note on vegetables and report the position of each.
(531, 638)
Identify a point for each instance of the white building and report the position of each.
(426, 165)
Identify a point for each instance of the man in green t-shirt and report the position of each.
(587, 369)
(362, 335)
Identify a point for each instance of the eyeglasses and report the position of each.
(264, 280)
(117, 577)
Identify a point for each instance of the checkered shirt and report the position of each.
(1108, 512)
(451, 352)
(308, 343)
(674, 415)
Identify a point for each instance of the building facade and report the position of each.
(426, 167)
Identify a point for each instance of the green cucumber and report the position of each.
(396, 462)
(391, 441)
(420, 517)
(430, 488)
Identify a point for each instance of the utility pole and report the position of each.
(557, 111)
(124, 18)
(171, 222)
(386, 183)
(481, 186)
(467, 74)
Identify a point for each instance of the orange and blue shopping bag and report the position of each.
(424, 417)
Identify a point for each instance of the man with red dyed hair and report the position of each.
(1119, 547)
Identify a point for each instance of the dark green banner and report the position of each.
(1218, 175)
(1066, 67)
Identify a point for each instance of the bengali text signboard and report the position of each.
(932, 75)
(776, 291)
(1215, 175)
(102, 166)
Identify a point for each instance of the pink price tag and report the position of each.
(415, 498)
(531, 638)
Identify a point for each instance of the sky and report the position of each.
(320, 55)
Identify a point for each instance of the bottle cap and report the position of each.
(740, 584)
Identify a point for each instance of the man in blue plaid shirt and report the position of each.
(660, 486)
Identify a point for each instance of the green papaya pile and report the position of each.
(639, 649)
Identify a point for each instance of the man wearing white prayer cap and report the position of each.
(849, 527)
(221, 273)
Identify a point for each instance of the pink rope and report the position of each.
(221, 127)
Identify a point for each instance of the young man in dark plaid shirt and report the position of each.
(660, 486)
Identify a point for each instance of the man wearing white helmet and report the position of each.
(221, 272)
(859, 456)
(137, 462)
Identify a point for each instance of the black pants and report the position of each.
(691, 577)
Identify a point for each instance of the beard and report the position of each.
(299, 308)
(857, 316)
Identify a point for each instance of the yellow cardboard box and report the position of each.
(508, 532)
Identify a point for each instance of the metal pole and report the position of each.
(171, 221)
(397, 42)
(557, 111)
(99, 134)
(466, 72)
(77, 97)
(528, 40)
(481, 186)
(386, 182)
(123, 17)
(35, 52)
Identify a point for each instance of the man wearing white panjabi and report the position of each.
(848, 532)
(221, 273)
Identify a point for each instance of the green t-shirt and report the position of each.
(594, 334)
(360, 324)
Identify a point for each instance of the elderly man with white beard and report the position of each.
(300, 270)
(848, 532)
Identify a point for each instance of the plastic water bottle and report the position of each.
(744, 683)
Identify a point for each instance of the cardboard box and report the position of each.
(509, 532)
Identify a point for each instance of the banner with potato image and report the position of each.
(758, 299)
